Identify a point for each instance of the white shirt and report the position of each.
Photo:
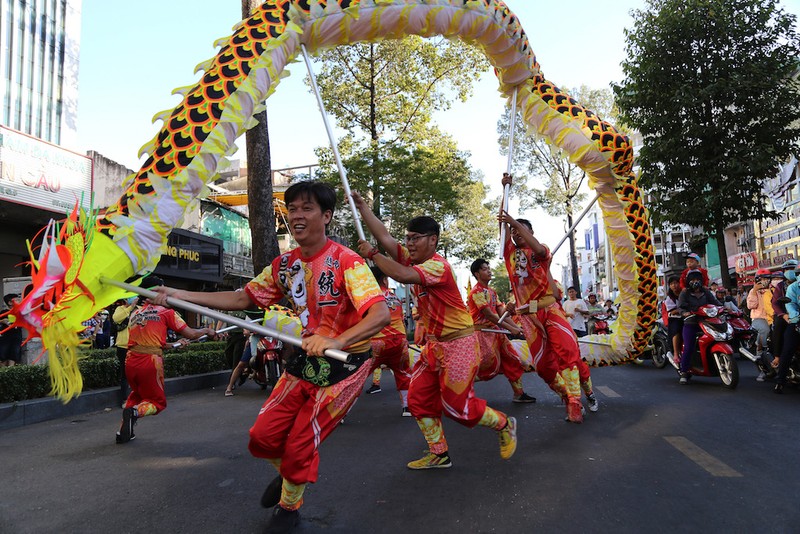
(578, 322)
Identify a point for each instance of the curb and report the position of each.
(28, 412)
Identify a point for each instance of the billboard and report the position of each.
(38, 174)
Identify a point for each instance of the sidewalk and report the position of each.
(17, 414)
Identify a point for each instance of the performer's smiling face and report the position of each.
(420, 246)
(307, 220)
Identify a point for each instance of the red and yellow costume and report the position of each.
(497, 354)
(442, 379)
(390, 346)
(144, 365)
(330, 292)
(553, 345)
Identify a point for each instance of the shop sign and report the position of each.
(191, 256)
(41, 175)
(777, 261)
(747, 261)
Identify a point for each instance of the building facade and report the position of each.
(39, 58)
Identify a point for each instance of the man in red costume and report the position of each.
(498, 355)
(552, 342)
(442, 379)
(340, 306)
(390, 346)
(144, 364)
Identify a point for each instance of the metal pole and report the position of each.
(507, 188)
(205, 337)
(214, 314)
(334, 146)
(575, 225)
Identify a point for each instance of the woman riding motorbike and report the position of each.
(691, 299)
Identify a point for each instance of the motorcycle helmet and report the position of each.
(762, 274)
(789, 270)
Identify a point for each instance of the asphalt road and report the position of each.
(657, 457)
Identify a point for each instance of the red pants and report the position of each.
(296, 419)
(442, 381)
(392, 351)
(498, 355)
(145, 374)
(555, 353)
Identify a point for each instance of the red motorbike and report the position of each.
(266, 364)
(713, 354)
(601, 323)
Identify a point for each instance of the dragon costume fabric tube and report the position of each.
(201, 130)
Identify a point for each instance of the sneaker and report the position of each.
(761, 377)
(374, 388)
(282, 520)
(524, 397)
(508, 439)
(406, 412)
(272, 495)
(591, 400)
(125, 433)
(684, 379)
(242, 379)
(575, 410)
(432, 461)
(778, 389)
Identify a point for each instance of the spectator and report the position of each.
(722, 295)
(102, 338)
(689, 301)
(576, 311)
(759, 302)
(672, 316)
(11, 340)
(693, 265)
(594, 307)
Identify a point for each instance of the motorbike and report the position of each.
(661, 346)
(713, 354)
(266, 364)
(601, 323)
(744, 336)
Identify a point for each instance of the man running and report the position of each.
(340, 306)
(498, 355)
(442, 380)
(553, 345)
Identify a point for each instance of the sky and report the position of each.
(133, 54)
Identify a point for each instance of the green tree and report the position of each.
(435, 181)
(384, 94)
(562, 181)
(259, 184)
(709, 85)
(501, 283)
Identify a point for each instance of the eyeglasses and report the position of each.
(411, 240)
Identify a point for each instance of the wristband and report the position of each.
(372, 253)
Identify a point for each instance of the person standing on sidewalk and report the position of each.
(443, 377)
(144, 364)
(340, 306)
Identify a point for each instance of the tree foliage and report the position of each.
(709, 84)
(501, 283)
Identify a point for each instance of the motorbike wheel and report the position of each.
(659, 355)
(273, 372)
(728, 370)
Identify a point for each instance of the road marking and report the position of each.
(714, 466)
(607, 391)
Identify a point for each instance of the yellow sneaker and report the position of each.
(508, 439)
(431, 461)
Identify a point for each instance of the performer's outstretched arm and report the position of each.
(390, 267)
(376, 228)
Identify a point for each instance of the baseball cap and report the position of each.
(693, 256)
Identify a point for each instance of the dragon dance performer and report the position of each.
(442, 379)
(390, 346)
(340, 306)
(497, 353)
(553, 345)
(144, 364)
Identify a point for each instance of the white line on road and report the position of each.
(607, 391)
(714, 466)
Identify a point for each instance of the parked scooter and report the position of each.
(713, 355)
(661, 346)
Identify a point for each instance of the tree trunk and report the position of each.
(723, 255)
(259, 184)
(576, 280)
